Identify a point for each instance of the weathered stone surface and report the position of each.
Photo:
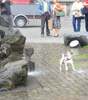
(13, 66)
(13, 63)
(13, 74)
(28, 52)
(3, 22)
(13, 71)
(17, 41)
(31, 66)
(2, 34)
(5, 51)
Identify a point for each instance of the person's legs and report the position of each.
(55, 26)
(55, 32)
(78, 24)
(47, 26)
(86, 22)
(42, 24)
(58, 25)
(74, 23)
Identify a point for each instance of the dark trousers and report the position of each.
(44, 21)
(86, 22)
(76, 24)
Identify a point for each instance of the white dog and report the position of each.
(66, 59)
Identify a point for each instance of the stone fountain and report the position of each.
(13, 62)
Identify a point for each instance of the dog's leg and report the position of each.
(73, 67)
(60, 67)
(61, 62)
(66, 67)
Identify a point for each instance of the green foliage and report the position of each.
(82, 56)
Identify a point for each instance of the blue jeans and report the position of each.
(76, 23)
(86, 22)
(56, 22)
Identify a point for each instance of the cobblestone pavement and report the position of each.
(47, 83)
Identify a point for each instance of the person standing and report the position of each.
(86, 14)
(76, 13)
(6, 13)
(57, 7)
(45, 10)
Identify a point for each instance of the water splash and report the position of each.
(35, 73)
(80, 71)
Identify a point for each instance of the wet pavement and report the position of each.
(47, 82)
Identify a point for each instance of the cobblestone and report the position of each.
(52, 84)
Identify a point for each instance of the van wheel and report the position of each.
(20, 21)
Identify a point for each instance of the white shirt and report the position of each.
(77, 6)
(45, 6)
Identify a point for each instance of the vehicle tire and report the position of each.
(20, 21)
(68, 40)
(82, 40)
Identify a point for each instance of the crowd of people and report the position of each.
(79, 11)
(51, 12)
